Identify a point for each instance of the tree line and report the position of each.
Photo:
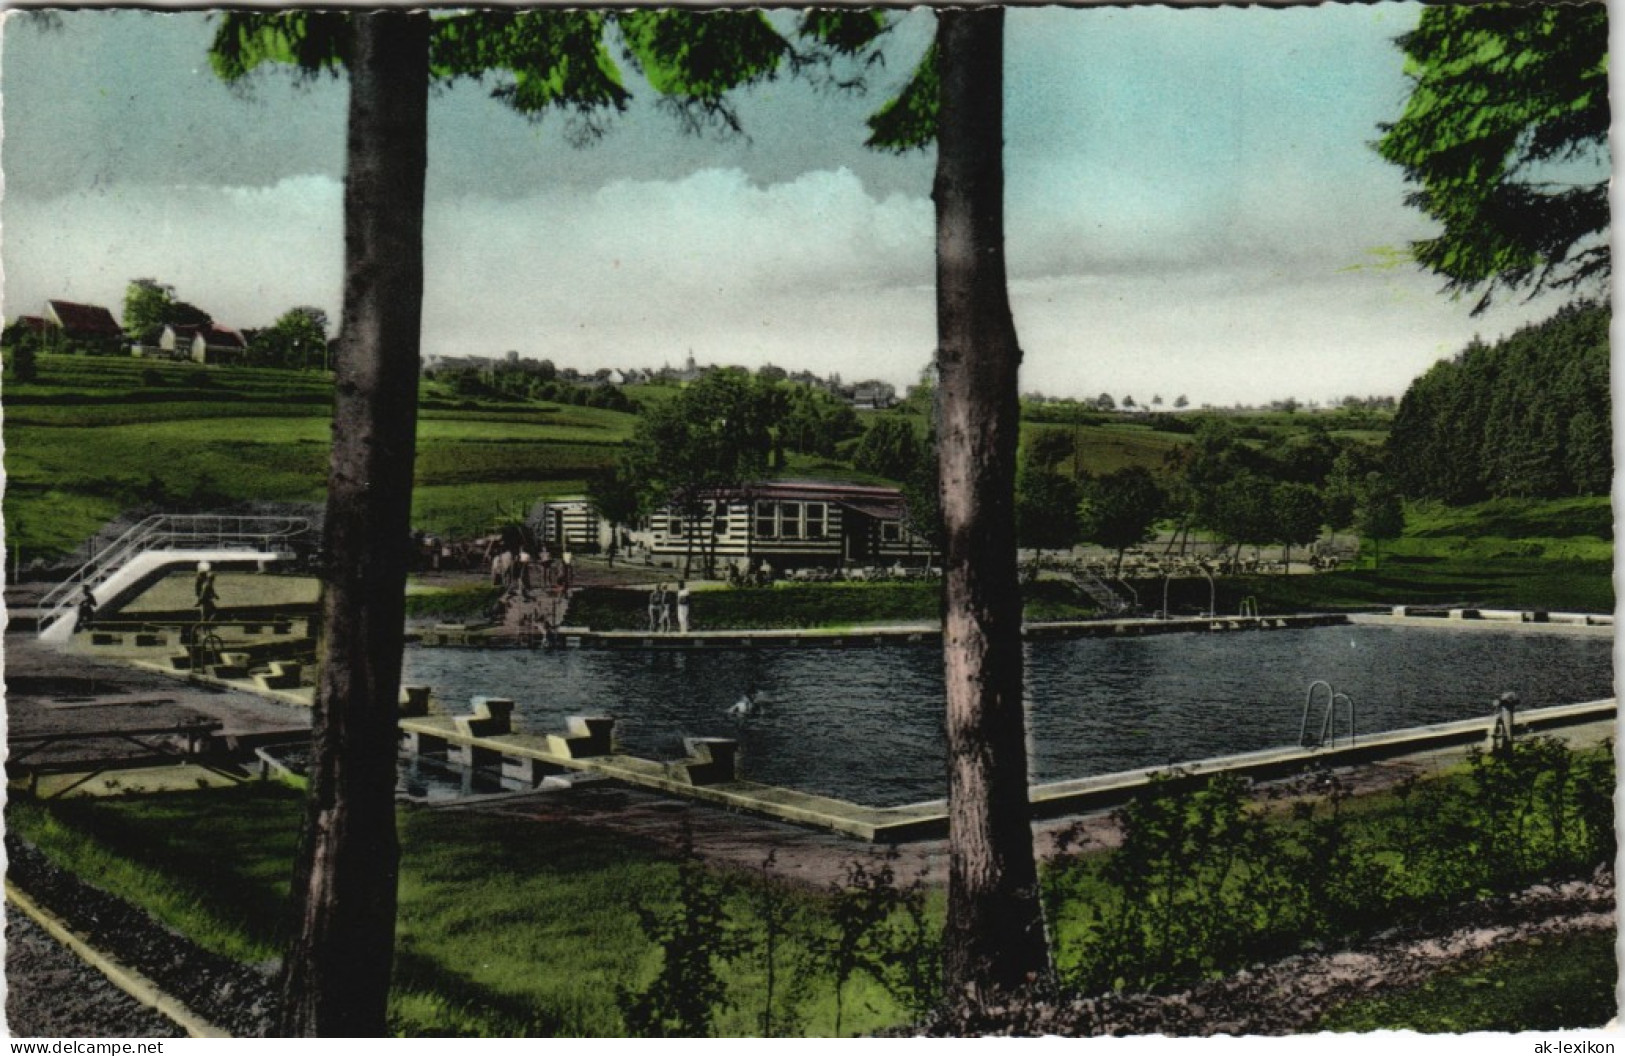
(529, 379)
(1525, 417)
(1285, 491)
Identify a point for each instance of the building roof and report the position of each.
(870, 499)
(216, 336)
(85, 320)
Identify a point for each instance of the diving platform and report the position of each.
(160, 545)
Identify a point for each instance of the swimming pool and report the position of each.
(866, 725)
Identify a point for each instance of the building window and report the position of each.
(815, 520)
(766, 526)
(790, 520)
(891, 532)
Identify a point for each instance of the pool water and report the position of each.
(866, 724)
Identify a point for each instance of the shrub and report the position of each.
(695, 937)
(1205, 883)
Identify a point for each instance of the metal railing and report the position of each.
(1101, 593)
(169, 531)
(1328, 727)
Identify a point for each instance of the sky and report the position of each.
(1193, 207)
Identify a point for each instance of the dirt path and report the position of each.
(806, 856)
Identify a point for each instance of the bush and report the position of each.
(696, 938)
(1206, 883)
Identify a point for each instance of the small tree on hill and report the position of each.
(716, 435)
(1046, 509)
(1047, 449)
(1299, 513)
(1381, 514)
(150, 305)
(1120, 510)
(22, 347)
(890, 449)
(297, 339)
(1243, 511)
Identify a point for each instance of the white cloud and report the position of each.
(643, 271)
(243, 255)
(814, 273)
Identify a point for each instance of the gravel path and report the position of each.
(227, 993)
(40, 971)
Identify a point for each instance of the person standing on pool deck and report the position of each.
(682, 606)
(657, 606)
(1506, 718)
(522, 580)
(203, 587)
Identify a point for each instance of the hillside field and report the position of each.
(92, 438)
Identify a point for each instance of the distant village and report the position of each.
(181, 332)
(863, 395)
(68, 328)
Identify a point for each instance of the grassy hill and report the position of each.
(93, 437)
(1509, 553)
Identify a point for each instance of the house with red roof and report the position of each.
(199, 343)
(85, 326)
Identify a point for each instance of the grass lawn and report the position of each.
(502, 930)
(1510, 583)
(1554, 554)
(1110, 446)
(460, 603)
(508, 927)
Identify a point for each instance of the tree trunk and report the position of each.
(336, 970)
(994, 937)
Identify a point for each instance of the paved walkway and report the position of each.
(50, 691)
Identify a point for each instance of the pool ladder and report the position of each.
(1328, 732)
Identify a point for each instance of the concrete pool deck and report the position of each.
(528, 757)
(460, 635)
